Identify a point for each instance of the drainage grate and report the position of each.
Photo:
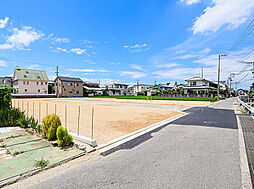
(247, 123)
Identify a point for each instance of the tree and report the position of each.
(157, 92)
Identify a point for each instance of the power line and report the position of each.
(244, 35)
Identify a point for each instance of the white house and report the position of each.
(165, 86)
(142, 88)
(197, 83)
(117, 89)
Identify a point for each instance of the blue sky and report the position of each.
(126, 40)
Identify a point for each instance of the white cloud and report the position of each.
(78, 50)
(58, 39)
(137, 47)
(137, 67)
(87, 70)
(3, 22)
(190, 2)
(115, 63)
(21, 38)
(34, 66)
(73, 50)
(167, 65)
(61, 49)
(134, 75)
(223, 12)
(89, 61)
(3, 63)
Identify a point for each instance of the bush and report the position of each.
(35, 125)
(5, 96)
(63, 138)
(24, 122)
(49, 126)
(10, 117)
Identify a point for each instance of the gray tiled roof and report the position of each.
(73, 79)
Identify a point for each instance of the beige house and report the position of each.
(68, 87)
(27, 81)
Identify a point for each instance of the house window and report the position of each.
(25, 76)
(24, 82)
(76, 92)
(39, 77)
(70, 92)
(46, 83)
(64, 89)
(27, 82)
(37, 83)
(76, 84)
(194, 83)
(41, 83)
(70, 84)
(39, 90)
(27, 72)
(25, 90)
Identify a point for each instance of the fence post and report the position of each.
(92, 122)
(65, 116)
(27, 106)
(33, 109)
(78, 120)
(39, 111)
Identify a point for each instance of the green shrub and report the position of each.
(10, 117)
(35, 125)
(5, 96)
(63, 138)
(49, 126)
(24, 122)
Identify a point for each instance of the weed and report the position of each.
(83, 149)
(3, 146)
(41, 163)
(12, 136)
(17, 153)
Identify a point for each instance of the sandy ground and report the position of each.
(155, 102)
(110, 121)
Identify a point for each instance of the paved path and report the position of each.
(200, 150)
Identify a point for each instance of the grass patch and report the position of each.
(211, 99)
(12, 136)
(41, 163)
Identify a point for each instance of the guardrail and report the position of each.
(246, 106)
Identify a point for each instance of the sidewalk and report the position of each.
(21, 150)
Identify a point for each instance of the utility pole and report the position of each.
(57, 72)
(218, 87)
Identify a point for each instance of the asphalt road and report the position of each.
(199, 150)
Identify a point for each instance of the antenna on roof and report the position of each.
(57, 72)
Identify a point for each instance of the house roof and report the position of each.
(143, 85)
(27, 74)
(1, 80)
(197, 78)
(116, 84)
(169, 84)
(72, 79)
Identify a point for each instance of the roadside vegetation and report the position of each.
(211, 99)
(10, 117)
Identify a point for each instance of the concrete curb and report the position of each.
(123, 139)
(33, 172)
(245, 171)
(84, 139)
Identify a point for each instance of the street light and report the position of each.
(218, 87)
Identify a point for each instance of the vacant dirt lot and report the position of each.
(110, 120)
(155, 102)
